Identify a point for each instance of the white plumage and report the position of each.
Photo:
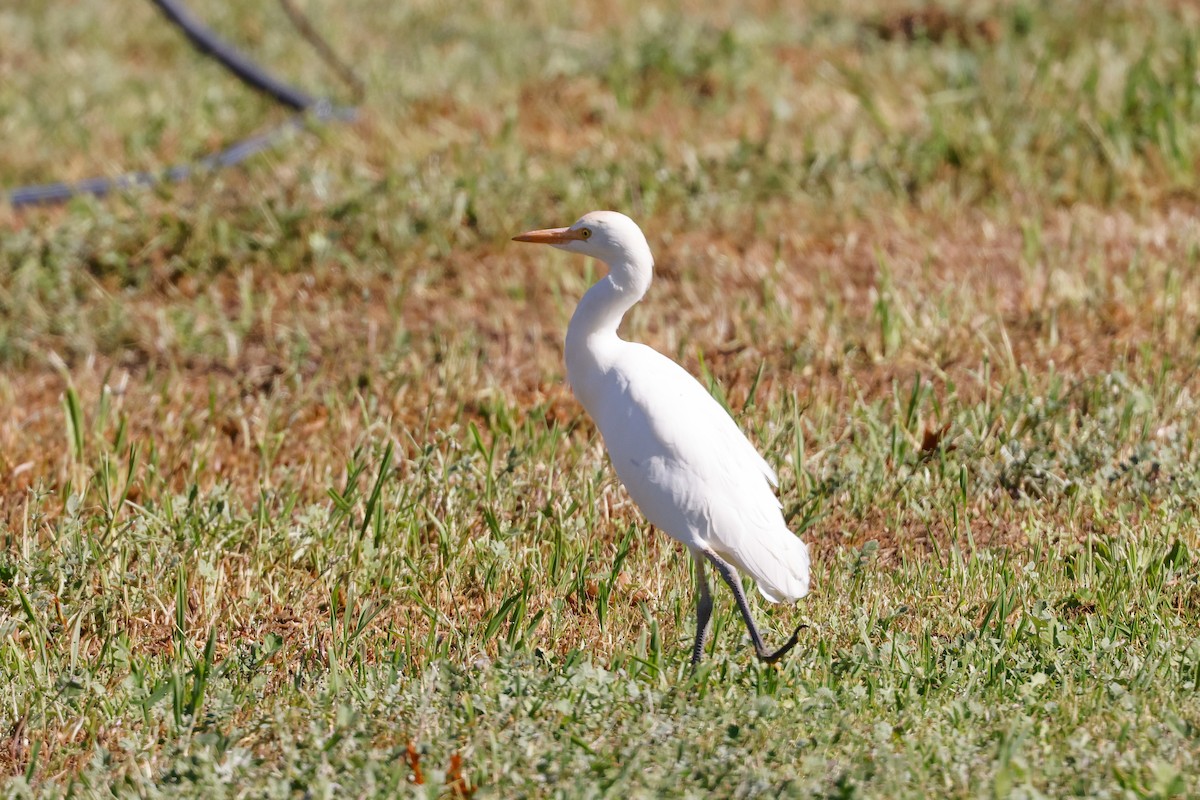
(681, 457)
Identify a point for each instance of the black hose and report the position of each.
(247, 71)
(241, 66)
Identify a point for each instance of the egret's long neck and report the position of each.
(594, 324)
(601, 310)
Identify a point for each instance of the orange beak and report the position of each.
(550, 236)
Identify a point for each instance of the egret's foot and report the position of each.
(771, 658)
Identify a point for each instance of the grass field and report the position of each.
(294, 501)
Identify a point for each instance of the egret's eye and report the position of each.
(586, 233)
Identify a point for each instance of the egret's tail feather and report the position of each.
(783, 575)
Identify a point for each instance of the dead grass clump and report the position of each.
(936, 24)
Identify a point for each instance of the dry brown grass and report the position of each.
(1073, 308)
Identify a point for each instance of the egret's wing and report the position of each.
(694, 474)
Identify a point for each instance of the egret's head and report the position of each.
(609, 236)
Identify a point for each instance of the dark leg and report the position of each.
(735, 584)
(703, 609)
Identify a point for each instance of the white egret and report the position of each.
(682, 458)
